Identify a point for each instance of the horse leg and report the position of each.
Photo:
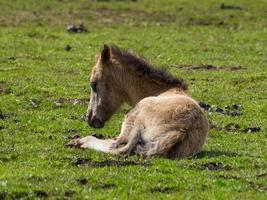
(132, 143)
(110, 145)
(163, 146)
(107, 146)
(92, 142)
(126, 128)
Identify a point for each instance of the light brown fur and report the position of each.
(165, 120)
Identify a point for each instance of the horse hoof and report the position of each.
(75, 143)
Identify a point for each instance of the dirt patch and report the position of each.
(69, 193)
(35, 103)
(205, 22)
(242, 80)
(82, 181)
(41, 193)
(11, 116)
(8, 158)
(230, 7)
(3, 116)
(204, 106)
(215, 166)
(264, 175)
(3, 195)
(76, 28)
(214, 125)
(67, 47)
(4, 89)
(18, 195)
(11, 58)
(233, 127)
(50, 137)
(202, 79)
(164, 189)
(232, 110)
(259, 187)
(99, 185)
(253, 129)
(230, 177)
(210, 67)
(105, 163)
(36, 179)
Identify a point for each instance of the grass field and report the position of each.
(220, 51)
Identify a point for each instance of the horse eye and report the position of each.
(93, 86)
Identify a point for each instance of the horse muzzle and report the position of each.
(94, 122)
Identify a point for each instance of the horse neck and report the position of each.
(140, 90)
(133, 88)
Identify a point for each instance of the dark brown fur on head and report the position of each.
(142, 67)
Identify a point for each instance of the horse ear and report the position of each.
(105, 54)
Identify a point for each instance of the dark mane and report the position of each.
(144, 68)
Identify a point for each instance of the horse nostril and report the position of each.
(92, 121)
(96, 123)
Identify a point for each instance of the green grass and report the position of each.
(34, 65)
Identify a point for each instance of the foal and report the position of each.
(164, 121)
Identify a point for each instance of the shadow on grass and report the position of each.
(106, 163)
(212, 154)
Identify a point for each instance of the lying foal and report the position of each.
(164, 121)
